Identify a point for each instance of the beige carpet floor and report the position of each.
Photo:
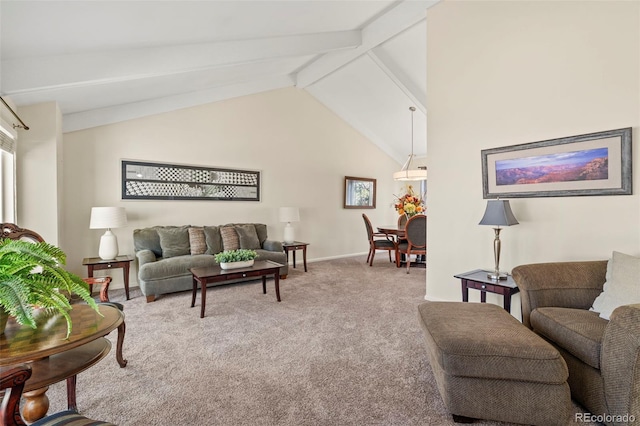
(344, 347)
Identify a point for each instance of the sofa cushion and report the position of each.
(174, 241)
(173, 267)
(622, 286)
(147, 239)
(230, 240)
(261, 230)
(197, 241)
(213, 239)
(578, 331)
(248, 236)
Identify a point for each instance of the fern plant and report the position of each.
(32, 276)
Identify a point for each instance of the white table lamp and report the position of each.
(288, 215)
(107, 218)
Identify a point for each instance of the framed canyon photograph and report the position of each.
(591, 164)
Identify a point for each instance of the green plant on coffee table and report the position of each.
(240, 255)
(32, 277)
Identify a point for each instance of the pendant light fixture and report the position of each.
(407, 173)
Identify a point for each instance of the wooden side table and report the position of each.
(104, 286)
(478, 280)
(96, 264)
(296, 245)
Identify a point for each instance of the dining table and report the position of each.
(397, 232)
(394, 231)
(52, 355)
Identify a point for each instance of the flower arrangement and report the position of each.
(409, 204)
(240, 255)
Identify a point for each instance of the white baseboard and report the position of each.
(435, 299)
(320, 259)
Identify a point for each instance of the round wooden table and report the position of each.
(392, 230)
(53, 357)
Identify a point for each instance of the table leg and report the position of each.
(507, 301)
(294, 257)
(465, 291)
(193, 292)
(36, 404)
(304, 257)
(126, 279)
(122, 328)
(276, 276)
(286, 250)
(483, 297)
(71, 393)
(104, 290)
(203, 297)
(264, 284)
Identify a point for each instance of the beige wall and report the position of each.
(504, 73)
(37, 176)
(302, 149)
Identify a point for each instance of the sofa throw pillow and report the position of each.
(248, 236)
(213, 239)
(197, 240)
(622, 286)
(261, 230)
(230, 240)
(147, 239)
(174, 241)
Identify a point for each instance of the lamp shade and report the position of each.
(410, 175)
(289, 214)
(107, 217)
(498, 213)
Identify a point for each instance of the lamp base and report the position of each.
(108, 246)
(289, 233)
(497, 276)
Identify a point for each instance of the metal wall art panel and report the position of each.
(160, 181)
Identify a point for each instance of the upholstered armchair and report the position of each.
(12, 381)
(603, 356)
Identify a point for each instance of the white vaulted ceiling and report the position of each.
(106, 61)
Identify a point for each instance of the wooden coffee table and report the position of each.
(215, 274)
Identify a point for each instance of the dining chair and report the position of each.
(14, 232)
(377, 243)
(416, 236)
(402, 221)
(12, 382)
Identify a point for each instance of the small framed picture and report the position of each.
(359, 193)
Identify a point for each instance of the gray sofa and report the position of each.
(166, 253)
(603, 356)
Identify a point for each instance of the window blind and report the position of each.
(7, 137)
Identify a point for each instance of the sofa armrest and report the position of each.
(560, 284)
(620, 361)
(272, 245)
(145, 256)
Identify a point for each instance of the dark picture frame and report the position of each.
(590, 164)
(162, 181)
(359, 193)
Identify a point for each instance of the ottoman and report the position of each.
(487, 365)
